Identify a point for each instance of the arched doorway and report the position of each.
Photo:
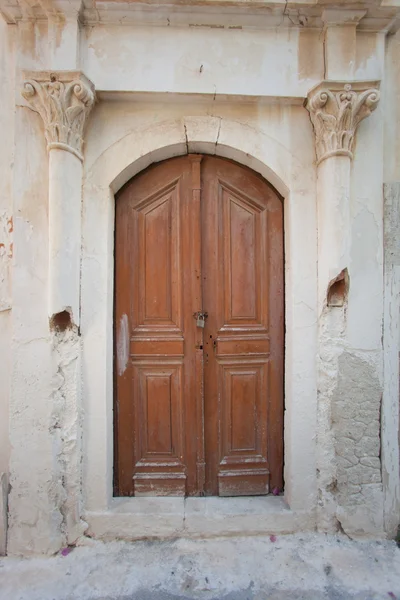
(199, 331)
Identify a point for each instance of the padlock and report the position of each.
(200, 320)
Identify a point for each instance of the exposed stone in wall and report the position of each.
(356, 404)
(355, 419)
(349, 471)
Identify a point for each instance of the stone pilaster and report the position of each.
(336, 109)
(64, 100)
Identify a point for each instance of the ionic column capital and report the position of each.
(336, 108)
(64, 100)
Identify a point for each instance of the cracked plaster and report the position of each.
(356, 403)
(66, 431)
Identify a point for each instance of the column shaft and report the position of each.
(333, 210)
(333, 192)
(65, 181)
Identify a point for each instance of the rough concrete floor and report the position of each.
(309, 567)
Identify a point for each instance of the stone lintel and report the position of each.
(381, 16)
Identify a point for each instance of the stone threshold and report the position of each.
(160, 518)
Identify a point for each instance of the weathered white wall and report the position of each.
(391, 322)
(7, 67)
(36, 490)
(275, 63)
(198, 90)
(357, 398)
(7, 70)
(279, 62)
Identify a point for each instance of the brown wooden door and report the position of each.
(243, 293)
(198, 410)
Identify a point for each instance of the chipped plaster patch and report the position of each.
(66, 431)
(123, 345)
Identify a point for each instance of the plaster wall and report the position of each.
(162, 92)
(391, 323)
(7, 69)
(358, 395)
(281, 62)
(35, 520)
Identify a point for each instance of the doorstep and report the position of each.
(160, 518)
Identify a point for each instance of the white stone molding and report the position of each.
(373, 16)
(64, 101)
(336, 109)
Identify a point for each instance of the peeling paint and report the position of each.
(66, 431)
(123, 345)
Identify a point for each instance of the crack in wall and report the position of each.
(66, 431)
(218, 133)
(186, 138)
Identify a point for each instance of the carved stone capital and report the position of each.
(64, 100)
(336, 109)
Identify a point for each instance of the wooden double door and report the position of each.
(199, 331)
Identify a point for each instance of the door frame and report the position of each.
(295, 181)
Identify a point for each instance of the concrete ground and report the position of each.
(308, 566)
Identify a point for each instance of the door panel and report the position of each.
(159, 261)
(155, 296)
(242, 246)
(159, 468)
(198, 410)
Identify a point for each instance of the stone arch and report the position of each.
(206, 135)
